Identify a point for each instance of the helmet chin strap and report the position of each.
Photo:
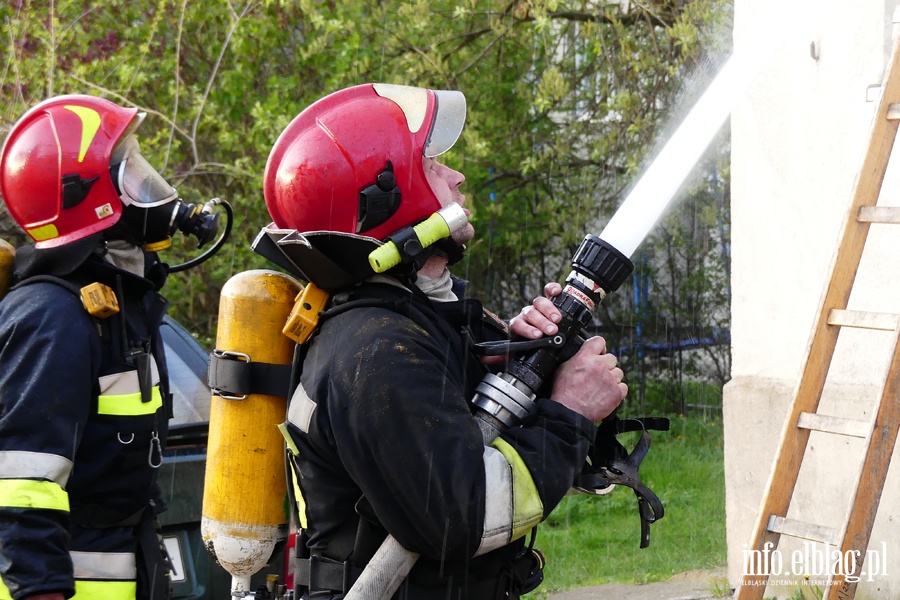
(453, 251)
(446, 249)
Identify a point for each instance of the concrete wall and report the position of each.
(798, 139)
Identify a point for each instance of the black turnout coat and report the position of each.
(84, 406)
(386, 441)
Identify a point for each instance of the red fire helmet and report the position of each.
(352, 161)
(55, 168)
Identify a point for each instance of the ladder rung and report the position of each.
(879, 214)
(838, 425)
(801, 529)
(863, 319)
(893, 112)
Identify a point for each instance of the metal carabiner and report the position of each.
(155, 448)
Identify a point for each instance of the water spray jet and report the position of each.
(656, 189)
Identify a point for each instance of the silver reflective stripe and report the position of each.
(104, 565)
(21, 464)
(498, 502)
(301, 410)
(119, 384)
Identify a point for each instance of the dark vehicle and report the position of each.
(195, 575)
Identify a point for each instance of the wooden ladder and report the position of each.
(881, 432)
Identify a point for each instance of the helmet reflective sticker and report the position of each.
(105, 211)
(412, 101)
(90, 124)
(47, 232)
(449, 119)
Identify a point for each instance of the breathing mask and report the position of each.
(152, 210)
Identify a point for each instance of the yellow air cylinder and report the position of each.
(244, 492)
(7, 256)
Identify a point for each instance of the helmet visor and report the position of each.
(139, 183)
(449, 118)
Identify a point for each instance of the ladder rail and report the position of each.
(866, 495)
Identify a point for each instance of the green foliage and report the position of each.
(566, 99)
(592, 540)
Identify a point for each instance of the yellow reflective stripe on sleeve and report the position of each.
(105, 590)
(22, 464)
(129, 405)
(528, 509)
(301, 503)
(28, 493)
(295, 474)
(286, 434)
(298, 493)
(4, 591)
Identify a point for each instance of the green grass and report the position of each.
(590, 540)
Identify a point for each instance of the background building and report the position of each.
(798, 139)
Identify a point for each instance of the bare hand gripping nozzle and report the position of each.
(597, 268)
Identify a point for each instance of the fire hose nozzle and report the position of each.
(442, 224)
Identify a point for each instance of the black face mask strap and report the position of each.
(453, 251)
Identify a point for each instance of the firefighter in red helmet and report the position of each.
(84, 398)
(380, 427)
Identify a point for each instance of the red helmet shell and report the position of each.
(66, 137)
(337, 146)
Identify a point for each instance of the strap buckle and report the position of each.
(319, 573)
(218, 354)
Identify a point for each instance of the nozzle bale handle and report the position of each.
(438, 226)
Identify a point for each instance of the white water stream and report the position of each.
(654, 191)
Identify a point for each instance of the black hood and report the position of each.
(59, 261)
(65, 260)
